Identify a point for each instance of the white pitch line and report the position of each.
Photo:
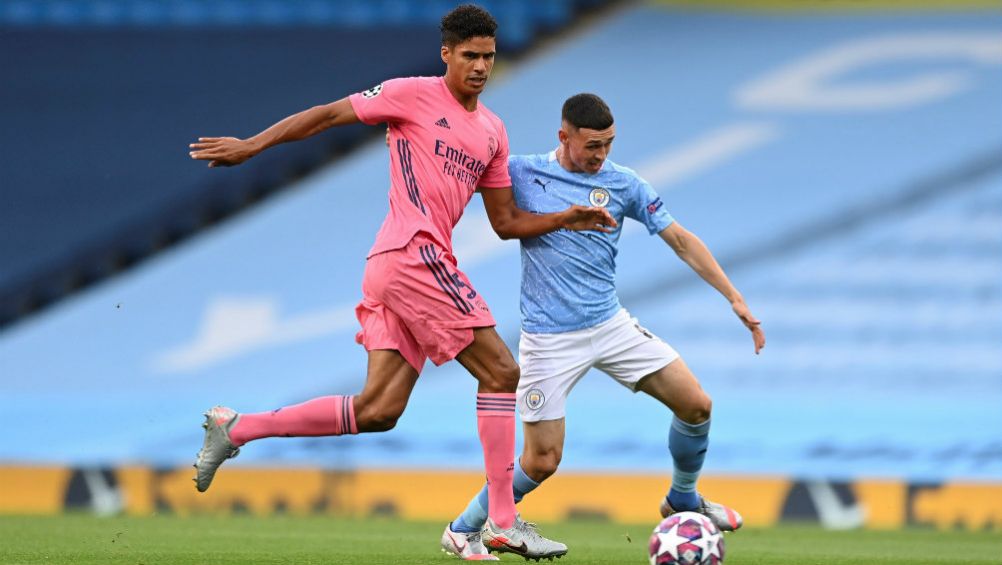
(676, 164)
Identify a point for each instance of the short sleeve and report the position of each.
(647, 208)
(386, 102)
(496, 175)
(516, 168)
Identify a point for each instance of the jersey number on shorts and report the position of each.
(455, 278)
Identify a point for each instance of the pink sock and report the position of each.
(324, 416)
(496, 423)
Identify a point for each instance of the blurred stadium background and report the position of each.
(842, 159)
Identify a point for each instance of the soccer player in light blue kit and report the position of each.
(572, 320)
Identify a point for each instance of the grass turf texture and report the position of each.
(167, 540)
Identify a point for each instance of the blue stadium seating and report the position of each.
(867, 240)
(517, 19)
(108, 93)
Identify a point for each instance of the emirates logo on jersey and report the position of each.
(460, 164)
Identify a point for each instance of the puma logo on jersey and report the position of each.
(541, 183)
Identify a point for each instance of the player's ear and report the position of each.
(562, 136)
(445, 54)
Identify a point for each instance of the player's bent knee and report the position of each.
(510, 374)
(503, 377)
(698, 411)
(549, 464)
(542, 463)
(541, 466)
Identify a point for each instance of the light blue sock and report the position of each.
(521, 483)
(687, 443)
(475, 515)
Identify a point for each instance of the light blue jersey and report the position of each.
(569, 277)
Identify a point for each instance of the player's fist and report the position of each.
(222, 151)
(580, 218)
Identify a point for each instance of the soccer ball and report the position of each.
(686, 538)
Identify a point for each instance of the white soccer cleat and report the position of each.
(522, 538)
(466, 546)
(216, 447)
(726, 519)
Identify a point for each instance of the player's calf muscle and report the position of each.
(376, 417)
(378, 408)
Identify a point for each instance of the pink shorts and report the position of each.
(416, 301)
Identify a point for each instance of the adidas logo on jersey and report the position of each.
(443, 123)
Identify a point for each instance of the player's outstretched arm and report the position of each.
(511, 222)
(229, 151)
(694, 252)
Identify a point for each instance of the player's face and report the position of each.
(469, 64)
(587, 149)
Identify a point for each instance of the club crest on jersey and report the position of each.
(492, 146)
(372, 92)
(534, 399)
(599, 197)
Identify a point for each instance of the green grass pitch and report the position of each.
(168, 540)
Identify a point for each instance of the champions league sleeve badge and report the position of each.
(599, 197)
(373, 92)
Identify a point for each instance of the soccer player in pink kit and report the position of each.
(416, 303)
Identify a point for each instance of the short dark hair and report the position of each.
(587, 111)
(466, 21)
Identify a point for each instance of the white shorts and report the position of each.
(553, 363)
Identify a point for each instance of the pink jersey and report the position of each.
(439, 155)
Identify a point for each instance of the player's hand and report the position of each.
(750, 322)
(581, 218)
(222, 151)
